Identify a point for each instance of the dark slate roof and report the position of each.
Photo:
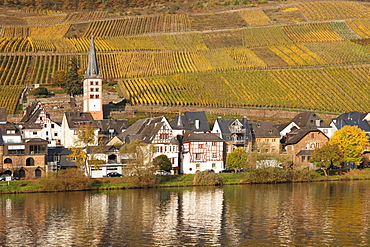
(265, 130)
(226, 127)
(63, 153)
(3, 116)
(30, 114)
(59, 151)
(297, 135)
(354, 115)
(190, 136)
(305, 152)
(362, 124)
(309, 119)
(143, 129)
(76, 119)
(103, 149)
(92, 70)
(189, 121)
(117, 125)
(9, 126)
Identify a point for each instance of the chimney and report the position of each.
(197, 124)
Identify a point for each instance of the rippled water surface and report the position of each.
(307, 214)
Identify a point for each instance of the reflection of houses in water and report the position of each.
(185, 215)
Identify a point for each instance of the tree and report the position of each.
(351, 141)
(59, 78)
(139, 156)
(162, 162)
(327, 156)
(86, 138)
(73, 79)
(237, 158)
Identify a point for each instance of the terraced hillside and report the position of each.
(306, 55)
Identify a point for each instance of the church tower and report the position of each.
(93, 86)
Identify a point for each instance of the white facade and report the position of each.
(69, 135)
(92, 97)
(199, 156)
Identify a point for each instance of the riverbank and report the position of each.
(267, 176)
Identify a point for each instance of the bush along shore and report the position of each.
(70, 180)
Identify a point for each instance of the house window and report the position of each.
(97, 96)
(34, 133)
(97, 83)
(197, 166)
(214, 155)
(16, 149)
(38, 149)
(214, 143)
(267, 140)
(30, 162)
(47, 133)
(52, 126)
(91, 89)
(45, 125)
(317, 145)
(157, 149)
(273, 140)
(312, 135)
(200, 146)
(7, 161)
(55, 133)
(197, 156)
(91, 96)
(96, 89)
(303, 158)
(10, 131)
(213, 165)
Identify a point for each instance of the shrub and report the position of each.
(65, 180)
(145, 180)
(208, 178)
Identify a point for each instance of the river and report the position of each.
(301, 214)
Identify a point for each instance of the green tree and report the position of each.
(237, 159)
(86, 138)
(351, 141)
(139, 160)
(162, 162)
(73, 79)
(328, 155)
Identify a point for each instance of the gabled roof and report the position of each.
(190, 136)
(144, 129)
(92, 70)
(265, 130)
(297, 135)
(226, 127)
(77, 119)
(196, 121)
(106, 125)
(309, 119)
(353, 115)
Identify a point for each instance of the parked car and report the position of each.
(162, 172)
(209, 170)
(228, 171)
(113, 174)
(3, 177)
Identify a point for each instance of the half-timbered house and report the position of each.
(201, 152)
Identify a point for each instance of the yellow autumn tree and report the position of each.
(351, 141)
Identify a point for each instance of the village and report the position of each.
(36, 145)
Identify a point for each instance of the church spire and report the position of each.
(92, 70)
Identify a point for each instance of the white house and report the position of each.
(201, 152)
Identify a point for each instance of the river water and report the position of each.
(302, 214)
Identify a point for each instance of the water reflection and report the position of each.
(307, 214)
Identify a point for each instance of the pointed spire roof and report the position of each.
(92, 70)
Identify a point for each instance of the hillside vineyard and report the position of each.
(312, 55)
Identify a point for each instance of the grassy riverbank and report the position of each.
(257, 176)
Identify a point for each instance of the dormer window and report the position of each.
(10, 131)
